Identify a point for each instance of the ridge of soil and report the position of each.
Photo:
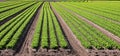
(74, 42)
(7, 52)
(54, 52)
(104, 52)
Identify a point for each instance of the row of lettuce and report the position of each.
(11, 31)
(48, 33)
(89, 36)
(106, 18)
(6, 10)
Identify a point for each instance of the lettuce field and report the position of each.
(59, 28)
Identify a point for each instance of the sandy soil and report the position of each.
(54, 52)
(104, 52)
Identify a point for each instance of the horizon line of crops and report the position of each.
(89, 36)
(48, 33)
(13, 34)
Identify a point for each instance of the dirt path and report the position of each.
(26, 49)
(104, 52)
(109, 34)
(54, 52)
(74, 42)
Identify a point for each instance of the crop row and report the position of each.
(48, 33)
(14, 28)
(89, 36)
(8, 3)
(10, 7)
(108, 25)
(109, 13)
(12, 11)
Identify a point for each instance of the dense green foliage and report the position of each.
(12, 30)
(10, 10)
(48, 33)
(88, 35)
(108, 23)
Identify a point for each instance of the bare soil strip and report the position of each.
(7, 52)
(104, 31)
(74, 42)
(53, 52)
(26, 49)
(104, 52)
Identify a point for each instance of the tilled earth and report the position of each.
(53, 52)
(7, 52)
(104, 52)
(62, 52)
